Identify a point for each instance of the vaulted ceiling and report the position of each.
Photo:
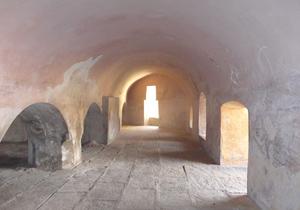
(225, 43)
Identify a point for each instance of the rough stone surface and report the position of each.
(112, 118)
(46, 131)
(144, 168)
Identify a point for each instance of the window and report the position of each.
(151, 110)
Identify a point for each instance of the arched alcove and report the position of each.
(202, 116)
(94, 128)
(37, 134)
(234, 133)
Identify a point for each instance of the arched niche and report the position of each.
(39, 130)
(234, 133)
(94, 127)
(202, 116)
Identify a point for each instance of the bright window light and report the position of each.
(150, 104)
(191, 118)
(151, 93)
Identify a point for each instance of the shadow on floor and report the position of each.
(235, 203)
(195, 156)
(13, 155)
(173, 144)
(13, 162)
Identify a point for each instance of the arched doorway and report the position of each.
(234, 134)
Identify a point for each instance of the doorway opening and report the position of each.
(151, 110)
(234, 134)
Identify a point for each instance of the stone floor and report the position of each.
(144, 169)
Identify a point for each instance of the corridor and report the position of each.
(145, 168)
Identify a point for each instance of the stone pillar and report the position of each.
(110, 106)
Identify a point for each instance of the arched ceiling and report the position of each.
(232, 43)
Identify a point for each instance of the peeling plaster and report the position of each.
(78, 72)
(73, 98)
